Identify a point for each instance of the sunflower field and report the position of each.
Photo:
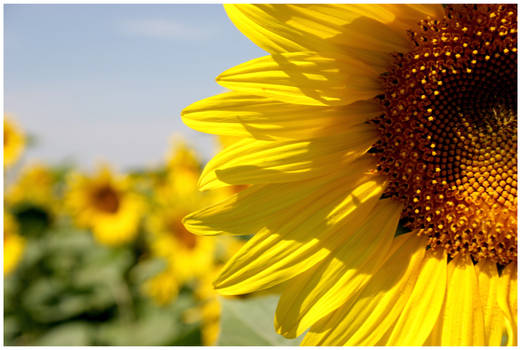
(363, 192)
(102, 258)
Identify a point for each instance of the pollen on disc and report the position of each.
(449, 133)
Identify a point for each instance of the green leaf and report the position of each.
(146, 269)
(152, 325)
(70, 334)
(250, 322)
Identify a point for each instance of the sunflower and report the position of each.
(35, 187)
(13, 244)
(174, 194)
(14, 142)
(162, 288)
(210, 308)
(33, 199)
(380, 146)
(106, 204)
(188, 256)
(182, 157)
(190, 259)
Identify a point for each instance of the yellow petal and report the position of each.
(282, 28)
(434, 338)
(407, 17)
(304, 78)
(462, 322)
(363, 31)
(367, 318)
(507, 301)
(259, 206)
(252, 209)
(14, 246)
(422, 310)
(316, 293)
(255, 162)
(290, 247)
(237, 114)
(488, 281)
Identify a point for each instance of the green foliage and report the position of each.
(33, 220)
(68, 290)
(248, 322)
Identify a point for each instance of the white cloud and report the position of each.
(164, 29)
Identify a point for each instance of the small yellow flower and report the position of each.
(180, 156)
(34, 186)
(14, 142)
(106, 204)
(188, 257)
(162, 288)
(13, 244)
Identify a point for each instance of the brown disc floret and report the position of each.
(448, 138)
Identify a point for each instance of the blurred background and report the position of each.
(99, 171)
(108, 82)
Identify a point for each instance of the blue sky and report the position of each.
(108, 82)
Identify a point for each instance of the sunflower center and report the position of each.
(106, 199)
(449, 133)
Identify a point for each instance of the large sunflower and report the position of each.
(106, 204)
(362, 119)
